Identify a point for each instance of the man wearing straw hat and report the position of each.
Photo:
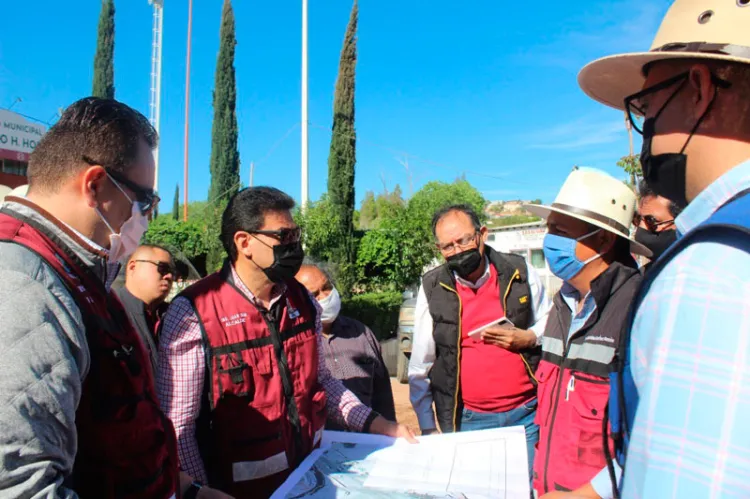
(681, 416)
(588, 247)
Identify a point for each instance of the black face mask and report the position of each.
(657, 242)
(465, 263)
(287, 260)
(666, 173)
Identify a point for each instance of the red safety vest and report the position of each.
(266, 409)
(126, 446)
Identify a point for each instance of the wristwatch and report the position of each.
(192, 491)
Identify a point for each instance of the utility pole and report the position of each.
(405, 163)
(187, 107)
(155, 93)
(252, 171)
(305, 122)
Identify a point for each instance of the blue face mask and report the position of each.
(560, 253)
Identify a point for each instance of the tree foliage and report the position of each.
(104, 60)
(176, 203)
(225, 157)
(342, 156)
(384, 206)
(632, 166)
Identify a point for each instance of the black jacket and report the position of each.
(440, 289)
(136, 311)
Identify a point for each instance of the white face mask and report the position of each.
(122, 245)
(331, 306)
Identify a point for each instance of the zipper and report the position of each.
(458, 356)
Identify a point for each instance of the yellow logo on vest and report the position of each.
(524, 299)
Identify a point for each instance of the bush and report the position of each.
(378, 311)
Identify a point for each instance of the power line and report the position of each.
(27, 116)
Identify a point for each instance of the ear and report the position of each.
(91, 183)
(703, 88)
(606, 240)
(243, 242)
(483, 232)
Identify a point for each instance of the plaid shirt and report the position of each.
(181, 373)
(690, 359)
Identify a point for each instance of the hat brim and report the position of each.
(544, 211)
(610, 79)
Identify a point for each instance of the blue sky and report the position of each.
(488, 90)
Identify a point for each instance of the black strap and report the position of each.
(260, 342)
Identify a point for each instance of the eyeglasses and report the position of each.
(146, 198)
(462, 243)
(636, 105)
(163, 268)
(650, 221)
(284, 236)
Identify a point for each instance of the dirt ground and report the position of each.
(404, 412)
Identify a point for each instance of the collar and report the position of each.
(713, 197)
(276, 294)
(92, 255)
(480, 282)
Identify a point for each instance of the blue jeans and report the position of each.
(523, 415)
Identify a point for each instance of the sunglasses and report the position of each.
(146, 198)
(636, 105)
(651, 222)
(163, 268)
(284, 236)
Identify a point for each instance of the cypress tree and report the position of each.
(342, 156)
(176, 203)
(225, 157)
(104, 61)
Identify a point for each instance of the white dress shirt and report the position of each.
(423, 343)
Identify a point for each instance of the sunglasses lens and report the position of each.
(165, 269)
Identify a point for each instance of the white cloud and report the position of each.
(582, 132)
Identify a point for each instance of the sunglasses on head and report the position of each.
(146, 198)
(284, 236)
(163, 268)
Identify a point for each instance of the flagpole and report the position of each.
(304, 118)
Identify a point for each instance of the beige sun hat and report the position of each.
(694, 29)
(597, 198)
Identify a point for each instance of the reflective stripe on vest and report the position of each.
(579, 351)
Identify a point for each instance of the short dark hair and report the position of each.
(462, 208)
(247, 210)
(154, 246)
(645, 191)
(101, 130)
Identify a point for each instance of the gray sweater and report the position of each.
(44, 359)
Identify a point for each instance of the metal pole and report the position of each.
(630, 132)
(187, 107)
(304, 143)
(252, 171)
(158, 92)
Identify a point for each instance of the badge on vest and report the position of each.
(523, 299)
(291, 311)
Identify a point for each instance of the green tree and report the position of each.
(176, 203)
(342, 156)
(632, 166)
(368, 212)
(225, 157)
(104, 60)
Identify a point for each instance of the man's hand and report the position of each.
(511, 338)
(382, 426)
(430, 431)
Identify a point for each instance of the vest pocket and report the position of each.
(235, 377)
(589, 400)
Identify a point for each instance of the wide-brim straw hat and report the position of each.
(599, 199)
(691, 29)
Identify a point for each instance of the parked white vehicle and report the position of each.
(526, 240)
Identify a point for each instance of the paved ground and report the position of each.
(404, 412)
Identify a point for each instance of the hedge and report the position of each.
(378, 311)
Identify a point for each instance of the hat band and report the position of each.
(740, 51)
(591, 214)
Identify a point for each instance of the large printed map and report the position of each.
(472, 465)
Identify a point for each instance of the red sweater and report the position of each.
(493, 379)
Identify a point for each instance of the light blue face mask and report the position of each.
(560, 253)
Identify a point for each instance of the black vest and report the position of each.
(593, 347)
(440, 289)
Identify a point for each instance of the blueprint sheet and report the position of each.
(472, 465)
